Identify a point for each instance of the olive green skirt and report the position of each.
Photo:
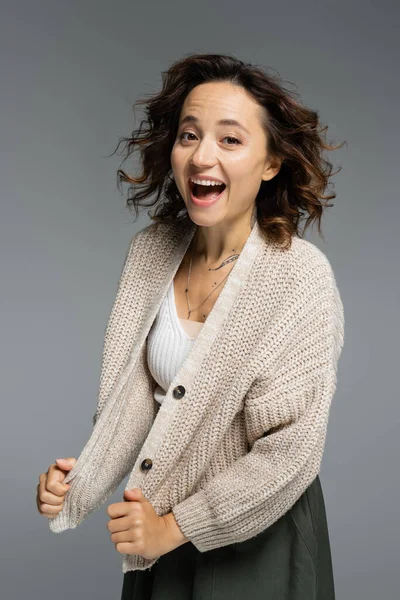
(290, 560)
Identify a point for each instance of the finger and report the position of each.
(123, 536)
(66, 464)
(48, 510)
(122, 524)
(129, 548)
(50, 484)
(38, 500)
(54, 482)
(48, 496)
(44, 508)
(119, 509)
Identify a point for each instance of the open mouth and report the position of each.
(208, 193)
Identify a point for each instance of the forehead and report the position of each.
(214, 101)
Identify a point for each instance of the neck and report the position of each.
(215, 243)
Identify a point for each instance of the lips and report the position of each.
(209, 195)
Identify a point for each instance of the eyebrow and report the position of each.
(226, 122)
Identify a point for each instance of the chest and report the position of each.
(204, 287)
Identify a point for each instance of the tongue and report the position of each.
(207, 192)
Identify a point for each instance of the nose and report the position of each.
(203, 155)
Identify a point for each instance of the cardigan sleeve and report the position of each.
(286, 415)
(110, 367)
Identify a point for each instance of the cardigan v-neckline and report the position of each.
(238, 274)
(254, 233)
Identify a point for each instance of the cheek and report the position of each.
(177, 157)
(172, 159)
(245, 170)
(238, 166)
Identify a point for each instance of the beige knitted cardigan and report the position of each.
(241, 432)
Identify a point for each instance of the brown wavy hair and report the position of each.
(295, 136)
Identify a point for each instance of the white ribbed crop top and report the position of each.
(168, 343)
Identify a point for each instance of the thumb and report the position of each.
(66, 464)
(134, 494)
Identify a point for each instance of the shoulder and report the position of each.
(146, 233)
(304, 267)
(152, 242)
(305, 278)
(320, 284)
(160, 232)
(142, 240)
(309, 258)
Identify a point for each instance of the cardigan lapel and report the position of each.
(223, 304)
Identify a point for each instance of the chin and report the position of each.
(203, 218)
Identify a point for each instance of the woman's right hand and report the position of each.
(51, 489)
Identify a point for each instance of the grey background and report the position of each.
(70, 72)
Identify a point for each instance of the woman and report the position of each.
(220, 354)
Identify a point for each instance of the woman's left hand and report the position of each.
(136, 528)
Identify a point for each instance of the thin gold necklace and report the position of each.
(190, 310)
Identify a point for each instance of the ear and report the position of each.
(272, 168)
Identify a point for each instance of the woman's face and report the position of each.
(235, 154)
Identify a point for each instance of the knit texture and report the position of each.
(233, 453)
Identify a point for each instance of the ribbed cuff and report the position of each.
(59, 523)
(195, 520)
(66, 518)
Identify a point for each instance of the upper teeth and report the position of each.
(206, 182)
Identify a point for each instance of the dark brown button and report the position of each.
(146, 465)
(179, 392)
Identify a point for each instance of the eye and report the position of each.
(184, 133)
(232, 138)
(225, 138)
